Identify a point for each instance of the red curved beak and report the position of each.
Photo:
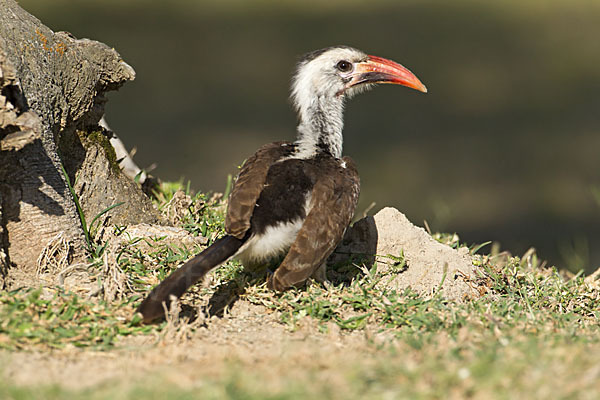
(380, 70)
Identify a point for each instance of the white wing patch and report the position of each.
(275, 241)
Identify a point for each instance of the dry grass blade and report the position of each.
(54, 256)
(180, 328)
(114, 283)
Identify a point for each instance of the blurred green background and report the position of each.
(504, 147)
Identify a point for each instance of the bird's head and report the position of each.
(340, 72)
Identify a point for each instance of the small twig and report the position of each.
(369, 208)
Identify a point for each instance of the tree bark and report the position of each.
(51, 99)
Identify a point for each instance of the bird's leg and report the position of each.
(262, 269)
(258, 271)
(320, 274)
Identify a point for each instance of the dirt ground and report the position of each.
(250, 336)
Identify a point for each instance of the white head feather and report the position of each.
(319, 89)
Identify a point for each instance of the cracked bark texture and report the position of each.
(52, 88)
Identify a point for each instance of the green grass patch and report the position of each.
(530, 325)
(205, 215)
(30, 320)
(520, 298)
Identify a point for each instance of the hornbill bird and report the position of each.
(296, 198)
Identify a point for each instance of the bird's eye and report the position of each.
(344, 66)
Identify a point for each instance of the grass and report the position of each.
(520, 298)
(29, 321)
(204, 215)
(89, 230)
(534, 333)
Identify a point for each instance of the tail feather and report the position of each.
(188, 274)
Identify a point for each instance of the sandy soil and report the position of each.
(252, 336)
(248, 337)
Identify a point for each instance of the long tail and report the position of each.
(189, 273)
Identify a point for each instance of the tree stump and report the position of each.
(52, 96)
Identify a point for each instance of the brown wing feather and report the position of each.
(249, 184)
(334, 200)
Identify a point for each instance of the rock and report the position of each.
(389, 235)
